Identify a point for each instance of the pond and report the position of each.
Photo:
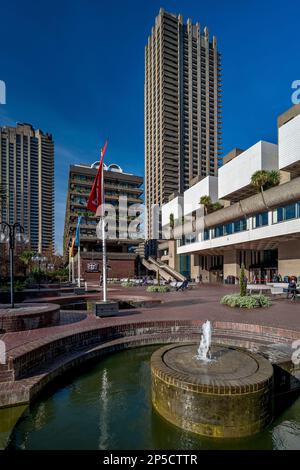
(108, 406)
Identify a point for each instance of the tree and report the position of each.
(217, 206)
(206, 202)
(274, 178)
(172, 221)
(243, 281)
(259, 180)
(26, 258)
(172, 225)
(263, 179)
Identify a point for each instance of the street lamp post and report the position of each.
(11, 233)
(39, 258)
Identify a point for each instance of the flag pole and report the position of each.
(73, 274)
(104, 268)
(79, 262)
(70, 266)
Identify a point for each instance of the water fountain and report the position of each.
(203, 353)
(212, 390)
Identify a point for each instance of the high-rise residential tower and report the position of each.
(27, 183)
(182, 108)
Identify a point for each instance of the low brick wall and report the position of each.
(29, 317)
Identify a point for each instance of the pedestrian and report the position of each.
(292, 288)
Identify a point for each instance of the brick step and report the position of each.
(6, 376)
(269, 338)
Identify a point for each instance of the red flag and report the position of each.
(96, 198)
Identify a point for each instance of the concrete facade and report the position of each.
(235, 176)
(259, 230)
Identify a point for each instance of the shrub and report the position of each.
(128, 284)
(243, 282)
(247, 301)
(161, 289)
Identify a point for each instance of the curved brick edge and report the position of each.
(258, 380)
(29, 317)
(33, 365)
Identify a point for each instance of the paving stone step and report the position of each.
(6, 376)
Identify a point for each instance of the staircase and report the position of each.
(164, 270)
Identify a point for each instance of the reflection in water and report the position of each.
(103, 425)
(108, 406)
(286, 436)
(8, 419)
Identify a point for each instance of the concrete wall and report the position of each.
(231, 266)
(206, 187)
(289, 258)
(289, 143)
(173, 207)
(237, 173)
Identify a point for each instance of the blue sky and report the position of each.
(76, 69)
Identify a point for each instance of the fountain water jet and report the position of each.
(203, 352)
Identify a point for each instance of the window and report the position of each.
(260, 220)
(239, 225)
(230, 228)
(290, 211)
(286, 213)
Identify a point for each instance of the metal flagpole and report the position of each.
(73, 274)
(78, 260)
(104, 269)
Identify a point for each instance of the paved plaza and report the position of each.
(199, 303)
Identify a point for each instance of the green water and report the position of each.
(108, 406)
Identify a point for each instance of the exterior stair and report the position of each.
(164, 270)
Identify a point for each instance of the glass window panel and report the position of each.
(264, 218)
(228, 229)
(290, 212)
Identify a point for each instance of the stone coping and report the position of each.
(27, 309)
(251, 372)
(268, 333)
(28, 317)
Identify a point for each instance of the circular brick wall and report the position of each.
(29, 317)
(231, 396)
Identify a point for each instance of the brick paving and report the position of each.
(200, 303)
